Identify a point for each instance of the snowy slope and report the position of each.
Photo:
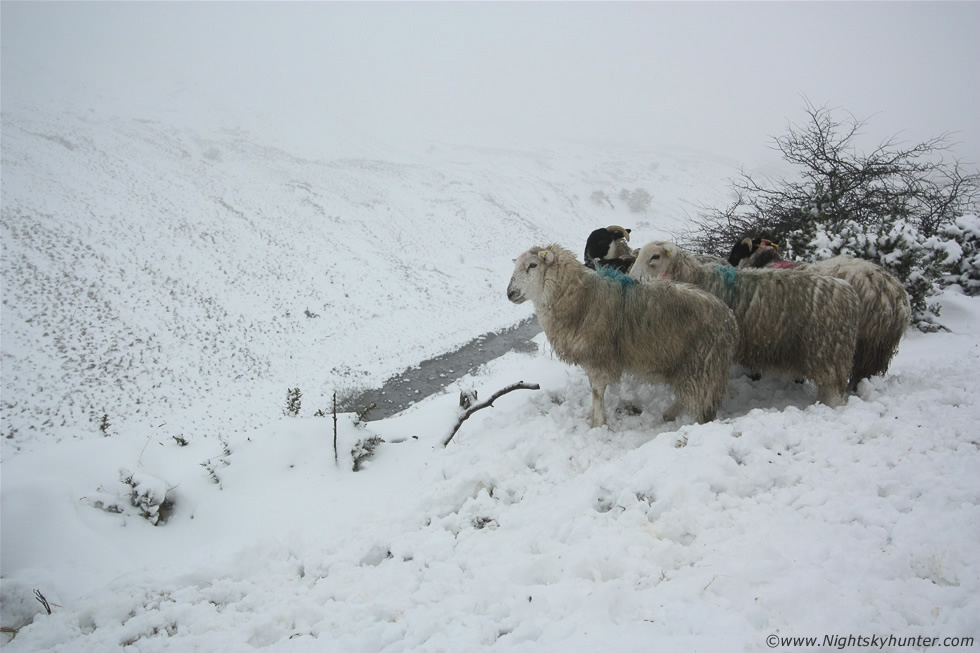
(157, 275)
(530, 531)
(132, 271)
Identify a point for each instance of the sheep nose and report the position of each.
(514, 295)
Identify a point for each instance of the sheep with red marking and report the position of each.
(885, 308)
(790, 322)
(610, 324)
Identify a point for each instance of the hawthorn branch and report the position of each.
(43, 601)
(489, 402)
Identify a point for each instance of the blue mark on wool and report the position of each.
(727, 275)
(613, 274)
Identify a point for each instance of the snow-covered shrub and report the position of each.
(293, 402)
(364, 450)
(963, 254)
(906, 208)
(148, 494)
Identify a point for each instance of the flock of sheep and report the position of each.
(668, 316)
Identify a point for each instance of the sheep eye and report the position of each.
(655, 257)
(531, 265)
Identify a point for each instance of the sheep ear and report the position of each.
(547, 256)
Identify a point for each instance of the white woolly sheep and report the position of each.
(790, 322)
(885, 308)
(610, 324)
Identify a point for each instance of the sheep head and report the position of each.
(741, 250)
(618, 231)
(754, 253)
(527, 282)
(766, 253)
(619, 248)
(654, 261)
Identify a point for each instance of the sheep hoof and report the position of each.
(673, 411)
(831, 399)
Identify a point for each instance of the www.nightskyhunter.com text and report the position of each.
(869, 641)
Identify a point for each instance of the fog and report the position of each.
(718, 77)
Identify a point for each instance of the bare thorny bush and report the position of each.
(899, 206)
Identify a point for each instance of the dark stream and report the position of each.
(416, 383)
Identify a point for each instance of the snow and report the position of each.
(969, 224)
(155, 285)
(147, 280)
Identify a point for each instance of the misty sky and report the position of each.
(720, 77)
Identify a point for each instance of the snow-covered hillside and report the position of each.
(530, 531)
(182, 281)
(162, 277)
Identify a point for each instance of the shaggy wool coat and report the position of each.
(610, 325)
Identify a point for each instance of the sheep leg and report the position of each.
(831, 387)
(673, 410)
(693, 405)
(598, 405)
(599, 383)
(830, 395)
(699, 395)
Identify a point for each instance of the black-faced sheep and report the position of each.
(610, 324)
(796, 323)
(609, 247)
(885, 308)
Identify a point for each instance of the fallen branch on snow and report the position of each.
(43, 601)
(489, 402)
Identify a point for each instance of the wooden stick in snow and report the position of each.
(489, 402)
(336, 460)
